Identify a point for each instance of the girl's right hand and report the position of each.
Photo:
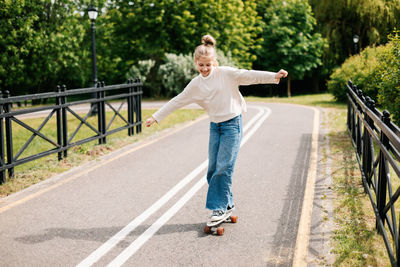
(280, 74)
(150, 121)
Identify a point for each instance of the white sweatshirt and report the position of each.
(218, 93)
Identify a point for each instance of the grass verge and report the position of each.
(355, 240)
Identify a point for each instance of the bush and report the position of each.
(176, 73)
(376, 71)
(141, 70)
(362, 69)
(389, 74)
(226, 60)
(178, 70)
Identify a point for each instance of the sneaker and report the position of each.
(230, 209)
(216, 215)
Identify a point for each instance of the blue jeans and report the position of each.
(224, 144)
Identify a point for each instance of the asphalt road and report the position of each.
(144, 205)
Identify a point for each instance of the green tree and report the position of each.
(235, 25)
(290, 41)
(149, 29)
(17, 40)
(339, 20)
(40, 45)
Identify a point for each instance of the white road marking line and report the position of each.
(303, 234)
(143, 238)
(114, 240)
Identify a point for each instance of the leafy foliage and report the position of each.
(146, 29)
(389, 86)
(16, 42)
(362, 70)
(44, 43)
(290, 41)
(40, 44)
(175, 73)
(141, 70)
(339, 20)
(376, 71)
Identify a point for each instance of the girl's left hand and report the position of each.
(281, 74)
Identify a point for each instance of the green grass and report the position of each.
(355, 240)
(316, 100)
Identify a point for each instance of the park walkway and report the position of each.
(143, 205)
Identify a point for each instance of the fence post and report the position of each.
(103, 111)
(136, 104)
(359, 127)
(140, 107)
(383, 170)
(138, 98)
(367, 153)
(2, 159)
(59, 125)
(349, 113)
(9, 141)
(99, 114)
(130, 109)
(350, 85)
(101, 119)
(353, 120)
(64, 120)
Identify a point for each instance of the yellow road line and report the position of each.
(303, 234)
(100, 164)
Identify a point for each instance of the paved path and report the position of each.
(143, 205)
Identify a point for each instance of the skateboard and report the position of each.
(216, 228)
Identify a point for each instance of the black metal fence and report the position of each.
(376, 140)
(129, 95)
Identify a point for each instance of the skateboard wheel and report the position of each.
(207, 229)
(234, 219)
(220, 231)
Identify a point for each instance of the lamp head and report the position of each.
(92, 12)
(356, 38)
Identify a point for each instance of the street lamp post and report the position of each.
(92, 13)
(356, 38)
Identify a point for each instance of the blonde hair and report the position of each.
(206, 49)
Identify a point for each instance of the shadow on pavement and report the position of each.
(101, 235)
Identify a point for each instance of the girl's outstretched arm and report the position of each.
(280, 74)
(150, 121)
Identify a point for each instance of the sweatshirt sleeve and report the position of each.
(247, 77)
(181, 100)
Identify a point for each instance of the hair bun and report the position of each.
(208, 40)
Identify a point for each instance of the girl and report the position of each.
(216, 89)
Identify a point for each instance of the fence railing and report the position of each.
(61, 113)
(376, 140)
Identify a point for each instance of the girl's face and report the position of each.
(204, 65)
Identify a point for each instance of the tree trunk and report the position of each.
(315, 84)
(288, 87)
